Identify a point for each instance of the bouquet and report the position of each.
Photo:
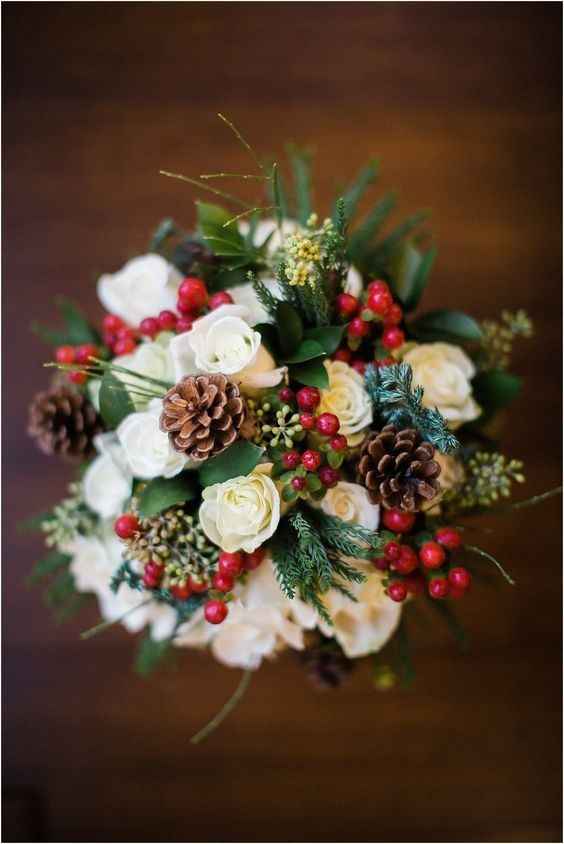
(275, 448)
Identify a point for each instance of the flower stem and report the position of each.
(225, 710)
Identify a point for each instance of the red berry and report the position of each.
(359, 365)
(112, 323)
(449, 537)
(432, 555)
(154, 569)
(392, 550)
(85, 352)
(394, 315)
(149, 581)
(338, 443)
(197, 585)
(378, 285)
(109, 339)
(398, 521)
(327, 424)
(359, 328)
(215, 611)
(149, 326)
(286, 395)
(184, 323)
(311, 460)
(78, 377)
(407, 561)
(126, 525)
(193, 293)
(126, 333)
(393, 337)
(222, 582)
(291, 459)
(308, 398)
(230, 564)
(184, 309)
(397, 591)
(381, 563)
(384, 362)
(329, 477)
(253, 560)
(124, 346)
(298, 483)
(459, 577)
(181, 592)
(347, 305)
(343, 355)
(379, 301)
(307, 421)
(438, 587)
(167, 321)
(220, 298)
(64, 354)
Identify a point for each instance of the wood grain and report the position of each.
(461, 102)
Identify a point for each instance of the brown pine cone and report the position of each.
(64, 422)
(325, 663)
(398, 469)
(203, 415)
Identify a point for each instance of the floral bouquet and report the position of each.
(273, 451)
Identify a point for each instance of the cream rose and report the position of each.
(147, 449)
(106, 484)
(151, 358)
(445, 371)
(348, 400)
(144, 287)
(242, 513)
(351, 503)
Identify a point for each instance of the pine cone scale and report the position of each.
(64, 422)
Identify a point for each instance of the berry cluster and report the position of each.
(421, 562)
(69, 355)
(120, 338)
(377, 310)
(193, 299)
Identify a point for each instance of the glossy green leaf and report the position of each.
(357, 189)
(362, 237)
(161, 493)
(115, 401)
(290, 328)
(410, 270)
(446, 325)
(328, 336)
(495, 389)
(239, 459)
(312, 373)
(301, 167)
(307, 350)
(211, 222)
(151, 654)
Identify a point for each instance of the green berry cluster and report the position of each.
(68, 519)
(489, 477)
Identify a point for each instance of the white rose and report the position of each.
(444, 371)
(354, 284)
(261, 622)
(364, 626)
(348, 400)
(152, 359)
(106, 484)
(148, 450)
(269, 228)
(242, 513)
(144, 287)
(95, 559)
(223, 341)
(244, 295)
(351, 503)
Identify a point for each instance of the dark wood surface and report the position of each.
(461, 101)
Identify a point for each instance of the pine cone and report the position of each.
(326, 664)
(398, 469)
(203, 415)
(64, 422)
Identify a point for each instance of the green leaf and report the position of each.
(495, 389)
(269, 336)
(446, 325)
(115, 401)
(386, 247)
(328, 336)
(76, 330)
(166, 229)
(301, 167)
(312, 373)
(410, 270)
(307, 350)
(313, 482)
(150, 654)
(290, 328)
(360, 240)
(277, 194)
(53, 561)
(357, 189)
(335, 458)
(60, 590)
(211, 222)
(162, 493)
(225, 248)
(289, 494)
(239, 459)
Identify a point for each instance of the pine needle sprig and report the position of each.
(346, 538)
(265, 297)
(399, 403)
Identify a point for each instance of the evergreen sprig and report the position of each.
(265, 297)
(185, 609)
(399, 403)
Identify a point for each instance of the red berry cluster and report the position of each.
(193, 298)
(378, 309)
(80, 355)
(427, 565)
(120, 338)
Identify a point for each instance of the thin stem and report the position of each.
(246, 214)
(497, 564)
(225, 710)
(208, 188)
(104, 625)
(103, 364)
(233, 176)
(536, 499)
(239, 136)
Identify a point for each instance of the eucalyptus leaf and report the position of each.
(161, 493)
(328, 336)
(495, 389)
(312, 373)
(239, 459)
(115, 401)
(307, 350)
(446, 325)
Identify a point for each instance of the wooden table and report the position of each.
(461, 102)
